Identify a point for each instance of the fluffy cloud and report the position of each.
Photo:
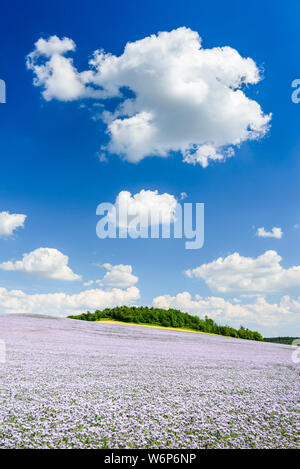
(43, 262)
(57, 74)
(147, 205)
(118, 276)
(88, 284)
(205, 153)
(62, 304)
(183, 98)
(260, 311)
(236, 273)
(211, 306)
(274, 233)
(10, 221)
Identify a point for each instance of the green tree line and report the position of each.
(167, 318)
(281, 340)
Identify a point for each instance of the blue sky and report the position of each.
(51, 170)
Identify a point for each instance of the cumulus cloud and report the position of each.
(10, 222)
(236, 273)
(274, 233)
(62, 304)
(147, 205)
(259, 311)
(55, 72)
(88, 283)
(118, 276)
(205, 153)
(43, 262)
(175, 95)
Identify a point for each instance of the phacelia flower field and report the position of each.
(75, 384)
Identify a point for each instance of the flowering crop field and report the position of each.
(75, 384)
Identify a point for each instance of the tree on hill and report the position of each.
(167, 318)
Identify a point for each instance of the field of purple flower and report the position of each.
(74, 384)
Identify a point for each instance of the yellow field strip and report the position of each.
(111, 321)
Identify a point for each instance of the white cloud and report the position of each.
(10, 221)
(274, 233)
(118, 276)
(260, 311)
(211, 306)
(62, 304)
(88, 284)
(55, 72)
(183, 97)
(52, 46)
(205, 153)
(43, 262)
(147, 205)
(236, 273)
